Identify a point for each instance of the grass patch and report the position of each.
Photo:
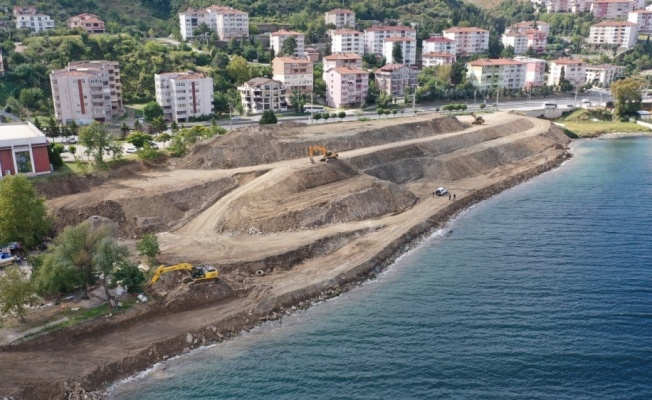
(69, 168)
(590, 129)
(6, 89)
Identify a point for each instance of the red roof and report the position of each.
(436, 54)
(399, 39)
(391, 67)
(343, 56)
(616, 23)
(455, 30)
(292, 60)
(343, 31)
(340, 11)
(438, 40)
(283, 32)
(500, 61)
(568, 61)
(389, 28)
(225, 10)
(349, 71)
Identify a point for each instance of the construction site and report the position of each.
(281, 231)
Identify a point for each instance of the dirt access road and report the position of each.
(281, 233)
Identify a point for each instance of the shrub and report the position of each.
(268, 118)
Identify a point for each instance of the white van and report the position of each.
(586, 101)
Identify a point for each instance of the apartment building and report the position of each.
(262, 94)
(603, 75)
(468, 40)
(342, 60)
(612, 9)
(347, 41)
(87, 91)
(276, 40)
(642, 18)
(346, 86)
(622, 33)
(500, 73)
(23, 150)
(572, 6)
(535, 70)
(30, 18)
(517, 40)
(525, 26)
(184, 94)
(408, 50)
(227, 22)
(439, 45)
(574, 71)
(434, 59)
(91, 23)
(393, 79)
(294, 73)
(341, 18)
(375, 36)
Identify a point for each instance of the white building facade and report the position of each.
(294, 73)
(603, 75)
(439, 45)
(622, 33)
(262, 94)
(346, 86)
(468, 41)
(376, 35)
(347, 41)
(227, 22)
(574, 71)
(29, 18)
(517, 40)
(487, 74)
(341, 18)
(276, 40)
(408, 50)
(642, 18)
(535, 70)
(184, 94)
(435, 59)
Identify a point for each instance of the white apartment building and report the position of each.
(227, 22)
(393, 79)
(375, 37)
(612, 9)
(574, 71)
(517, 40)
(184, 94)
(434, 59)
(622, 33)
(439, 45)
(525, 26)
(642, 18)
(486, 74)
(342, 60)
(408, 49)
(30, 18)
(262, 94)
(276, 40)
(87, 91)
(341, 18)
(346, 86)
(603, 75)
(535, 69)
(572, 6)
(347, 41)
(294, 73)
(468, 40)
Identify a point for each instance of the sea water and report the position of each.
(541, 292)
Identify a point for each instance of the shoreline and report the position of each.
(311, 295)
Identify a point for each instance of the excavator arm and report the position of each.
(163, 269)
(326, 155)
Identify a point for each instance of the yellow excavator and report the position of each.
(325, 154)
(477, 120)
(197, 274)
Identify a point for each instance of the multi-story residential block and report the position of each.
(375, 37)
(91, 23)
(525, 26)
(227, 22)
(262, 94)
(87, 91)
(294, 73)
(184, 94)
(312, 54)
(347, 41)
(535, 69)
(439, 44)
(23, 150)
(346, 86)
(468, 40)
(341, 18)
(603, 75)
(434, 59)
(276, 40)
(500, 73)
(393, 79)
(537, 40)
(574, 71)
(622, 33)
(517, 40)
(30, 18)
(572, 6)
(612, 9)
(408, 50)
(342, 60)
(643, 18)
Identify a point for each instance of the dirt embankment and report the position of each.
(282, 234)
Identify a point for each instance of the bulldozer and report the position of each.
(477, 120)
(197, 274)
(325, 154)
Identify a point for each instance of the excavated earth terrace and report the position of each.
(281, 230)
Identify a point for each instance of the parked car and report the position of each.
(570, 106)
(441, 191)
(131, 150)
(141, 120)
(235, 118)
(153, 145)
(71, 140)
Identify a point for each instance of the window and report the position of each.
(23, 161)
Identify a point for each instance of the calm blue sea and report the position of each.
(541, 292)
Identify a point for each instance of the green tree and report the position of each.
(508, 52)
(73, 128)
(138, 127)
(316, 116)
(138, 139)
(130, 277)
(394, 112)
(397, 53)
(152, 110)
(23, 216)
(124, 129)
(148, 247)
(30, 97)
(268, 117)
(37, 124)
(159, 125)
(298, 100)
(109, 254)
(380, 112)
(16, 292)
(458, 73)
(627, 96)
(174, 127)
(238, 70)
(98, 141)
(289, 46)
(164, 137)
(203, 30)
(52, 129)
(341, 115)
(54, 155)
(326, 116)
(73, 150)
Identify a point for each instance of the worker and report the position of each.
(454, 195)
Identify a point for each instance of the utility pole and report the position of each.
(414, 100)
(497, 93)
(475, 95)
(575, 104)
(311, 108)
